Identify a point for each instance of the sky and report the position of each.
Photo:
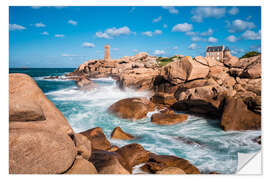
(62, 36)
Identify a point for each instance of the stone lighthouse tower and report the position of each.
(107, 52)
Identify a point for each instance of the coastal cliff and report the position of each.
(229, 90)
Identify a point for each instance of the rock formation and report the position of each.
(98, 138)
(132, 108)
(118, 133)
(42, 142)
(40, 138)
(168, 118)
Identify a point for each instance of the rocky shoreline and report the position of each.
(41, 141)
(229, 90)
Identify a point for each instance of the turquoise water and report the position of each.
(198, 140)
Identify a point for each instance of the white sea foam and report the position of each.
(199, 140)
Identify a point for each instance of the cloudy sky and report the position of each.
(68, 36)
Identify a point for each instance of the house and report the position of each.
(218, 52)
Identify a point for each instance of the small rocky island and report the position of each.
(41, 141)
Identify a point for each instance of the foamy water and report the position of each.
(199, 140)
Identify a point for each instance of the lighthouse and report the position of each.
(107, 52)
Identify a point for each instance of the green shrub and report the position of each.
(250, 54)
(164, 61)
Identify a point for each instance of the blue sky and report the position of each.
(68, 36)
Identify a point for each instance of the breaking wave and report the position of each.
(199, 140)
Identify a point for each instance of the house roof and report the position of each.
(215, 49)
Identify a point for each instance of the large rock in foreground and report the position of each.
(171, 170)
(97, 138)
(160, 162)
(40, 138)
(131, 108)
(39, 152)
(236, 116)
(133, 154)
(108, 162)
(82, 166)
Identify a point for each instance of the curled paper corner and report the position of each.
(249, 163)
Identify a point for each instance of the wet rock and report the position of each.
(160, 162)
(83, 146)
(108, 162)
(84, 83)
(82, 166)
(258, 140)
(131, 108)
(97, 138)
(163, 98)
(236, 116)
(133, 154)
(168, 119)
(118, 133)
(138, 78)
(171, 170)
(113, 148)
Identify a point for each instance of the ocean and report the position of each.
(199, 140)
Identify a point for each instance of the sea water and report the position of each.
(199, 140)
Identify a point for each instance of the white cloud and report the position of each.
(113, 32)
(231, 38)
(135, 50)
(40, 24)
(175, 47)
(251, 35)
(165, 25)
(147, 33)
(69, 55)
(45, 33)
(157, 31)
(118, 31)
(102, 35)
(150, 33)
(200, 13)
(192, 46)
(72, 22)
(239, 25)
(171, 9)
(234, 11)
(59, 35)
(197, 38)
(157, 19)
(182, 27)
(159, 52)
(88, 45)
(209, 32)
(191, 33)
(16, 27)
(212, 40)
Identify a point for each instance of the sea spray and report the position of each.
(199, 140)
